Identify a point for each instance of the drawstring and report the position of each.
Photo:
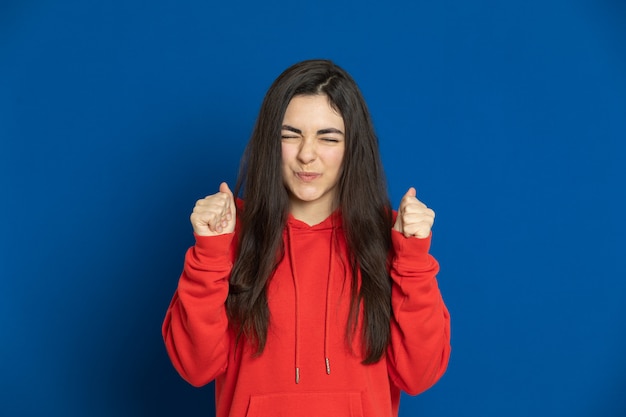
(297, 303)
(327, 317)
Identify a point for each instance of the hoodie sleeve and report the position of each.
(195, 329)
(420, 326)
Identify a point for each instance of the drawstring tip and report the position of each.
(297, 375)
(328, 366)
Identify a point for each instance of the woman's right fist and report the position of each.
(216, 214)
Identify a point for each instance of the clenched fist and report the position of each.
(414, 218)
(216, 214)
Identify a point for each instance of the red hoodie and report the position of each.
(307, 368)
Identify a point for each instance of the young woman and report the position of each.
(311, 297)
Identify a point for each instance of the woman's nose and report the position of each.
(307, 152)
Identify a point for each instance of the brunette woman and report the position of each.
(310, 296)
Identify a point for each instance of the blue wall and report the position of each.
(509, 118)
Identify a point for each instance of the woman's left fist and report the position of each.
(414, 218)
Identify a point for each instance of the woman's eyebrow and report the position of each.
(329, 130)
(292, 129)
(319, 132)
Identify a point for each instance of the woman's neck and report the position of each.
(311, 213)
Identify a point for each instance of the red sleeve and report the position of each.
(195, 329)
(420, 327)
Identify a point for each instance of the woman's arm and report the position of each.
(420, 324)
(195, 329)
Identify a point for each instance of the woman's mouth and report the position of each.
(307, 176)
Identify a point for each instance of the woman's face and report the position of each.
(313, 145)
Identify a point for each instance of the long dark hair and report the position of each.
(361, 196)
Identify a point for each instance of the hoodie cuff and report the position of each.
(411, 257)
(410, 247)
(212, 248)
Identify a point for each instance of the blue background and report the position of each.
(508, 117)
